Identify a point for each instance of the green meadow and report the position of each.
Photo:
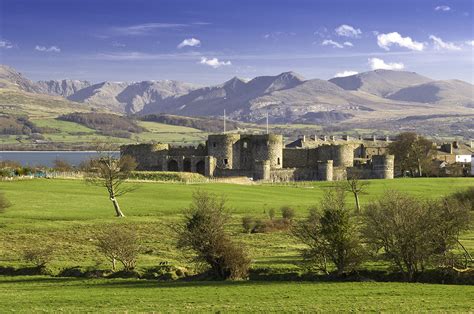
(65, 214)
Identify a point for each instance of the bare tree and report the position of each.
(412, 233)
(119, 243)
(111, 172)
(355, 186)
(62, 165)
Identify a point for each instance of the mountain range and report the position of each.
(372, 97)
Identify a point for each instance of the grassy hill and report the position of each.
(66, 213)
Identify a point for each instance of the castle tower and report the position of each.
(383, 166)
(268, 147)
(221, 146)
(261, 170)
(343, 155)
(325, 170)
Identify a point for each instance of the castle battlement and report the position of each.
(263, 157)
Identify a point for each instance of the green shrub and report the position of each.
(287, 212)
(168, 176)
(248, 224)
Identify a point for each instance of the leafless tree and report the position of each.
(112, 173)
(412, 233)
(119, 243)
(62, 165)
(355, 186)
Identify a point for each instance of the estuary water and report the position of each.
(47, 158)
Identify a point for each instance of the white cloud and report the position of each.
(345, 73)
(444, 8)
(386, 40)
(191, 42)
(48, 49)
(329, 42)
(141, 29)
(214, 62)
(439, 44)
(5, 44)
(348, 31)
(278, 35)
(376, 63)
(118, 45)
(470, 43)
(348, 44)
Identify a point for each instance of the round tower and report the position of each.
(220, 146)
(383, 166)
(325, 170)
(268, 147)
(343, 155)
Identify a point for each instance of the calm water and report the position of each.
(46, 158)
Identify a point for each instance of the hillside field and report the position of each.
(65, 214)
(68, 133)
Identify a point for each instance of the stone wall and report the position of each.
(147, 156)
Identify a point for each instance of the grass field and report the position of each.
(34, 294)
(67, 213)
(71, 133)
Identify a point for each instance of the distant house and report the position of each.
(456, 152)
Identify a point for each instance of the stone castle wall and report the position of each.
(262, 157)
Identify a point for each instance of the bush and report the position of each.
(167, 176)
(331, 235)
(62, 165)
(203, 233)
(466, 197)
(414, 233)
(4, 203)
(287, 213)
(119, 243)
(248, 224)
(271, 213)
(40, 256)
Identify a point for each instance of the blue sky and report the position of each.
(208, 42)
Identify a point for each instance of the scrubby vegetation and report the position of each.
(105, 123)
(21, 125)
(168, 176)
(201, 123)
(203, 233)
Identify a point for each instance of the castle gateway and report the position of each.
(264, 157)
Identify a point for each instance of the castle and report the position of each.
(265, 157)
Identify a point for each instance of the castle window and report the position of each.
(278, 160)
(245, 144)
(214, 144)
(226, 162)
